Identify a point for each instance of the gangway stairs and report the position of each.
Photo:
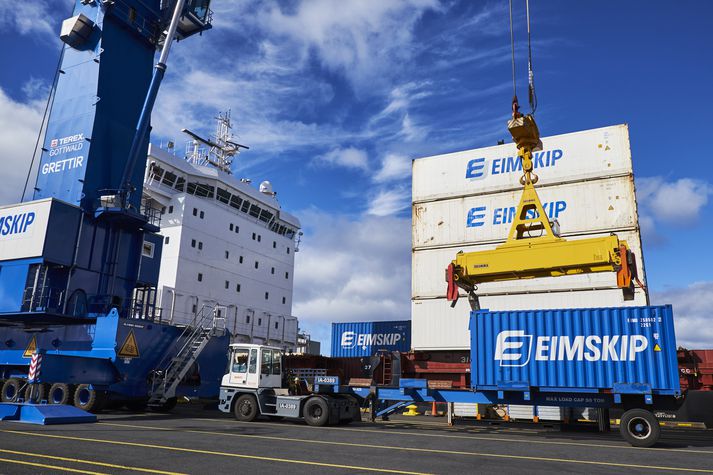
(209, 322)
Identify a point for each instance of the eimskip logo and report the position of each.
(513, 348)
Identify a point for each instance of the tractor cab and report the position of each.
(253, 366)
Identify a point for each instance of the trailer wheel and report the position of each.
(88, 399)
(11, 390)
(60, 393)
(640, 428)
(316, 412)
(35, 393)
(245, 408)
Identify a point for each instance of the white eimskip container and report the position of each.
(429, 265)
(572, 157)
(588, 207)
(437, 326)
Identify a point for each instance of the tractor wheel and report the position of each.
(245, 408)
(316, 412)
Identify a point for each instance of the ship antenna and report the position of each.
(222, 147)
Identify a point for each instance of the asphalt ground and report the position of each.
(206, 442)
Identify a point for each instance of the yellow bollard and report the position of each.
(411, 411)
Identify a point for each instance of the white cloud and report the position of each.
(352, 269)
(345, 157)
(363, 40)
(19, 126)
(393, 167)
(389, 202)
(35, 18)
(692, 313)
(678, 201)
(36, 89)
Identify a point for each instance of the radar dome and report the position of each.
(266, 187)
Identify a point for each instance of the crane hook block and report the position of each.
(525, 133)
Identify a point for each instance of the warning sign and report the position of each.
(31, 348)
(657, 347)
(129, 349)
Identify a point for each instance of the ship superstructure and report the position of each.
(226, 244)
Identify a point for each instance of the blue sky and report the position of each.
(335, 97)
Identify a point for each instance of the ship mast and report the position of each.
(222, 147)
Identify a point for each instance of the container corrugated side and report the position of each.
(350, 339)
(437, 326)
(588, 349)
(428, 267)
(588, 207)
(565, 158)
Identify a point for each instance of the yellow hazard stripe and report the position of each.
(423, 450)
(54, 467)
(212, 452)
(88, 462)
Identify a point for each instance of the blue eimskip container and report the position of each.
(623, 349)
(358, 339)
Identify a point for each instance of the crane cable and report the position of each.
(530, 74)
(515, 106)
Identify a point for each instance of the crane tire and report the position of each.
(89, 399)
(60, 393)
(11, 390)
(35, 393)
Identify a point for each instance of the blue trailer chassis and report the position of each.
(417, 390)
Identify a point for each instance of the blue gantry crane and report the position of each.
(79, 261)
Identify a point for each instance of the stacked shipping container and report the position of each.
(466, 201)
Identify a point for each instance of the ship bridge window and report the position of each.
(265, 216)
(223, 196)
(254, 211)
(245, 207)
(180, 183)
(156, 172)
(236, 201)
(199, 189)
(169, 178)
(290, 233)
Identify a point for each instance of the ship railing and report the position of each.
(118, 199)
(43, 299)
(152, 213)
(138, 309)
